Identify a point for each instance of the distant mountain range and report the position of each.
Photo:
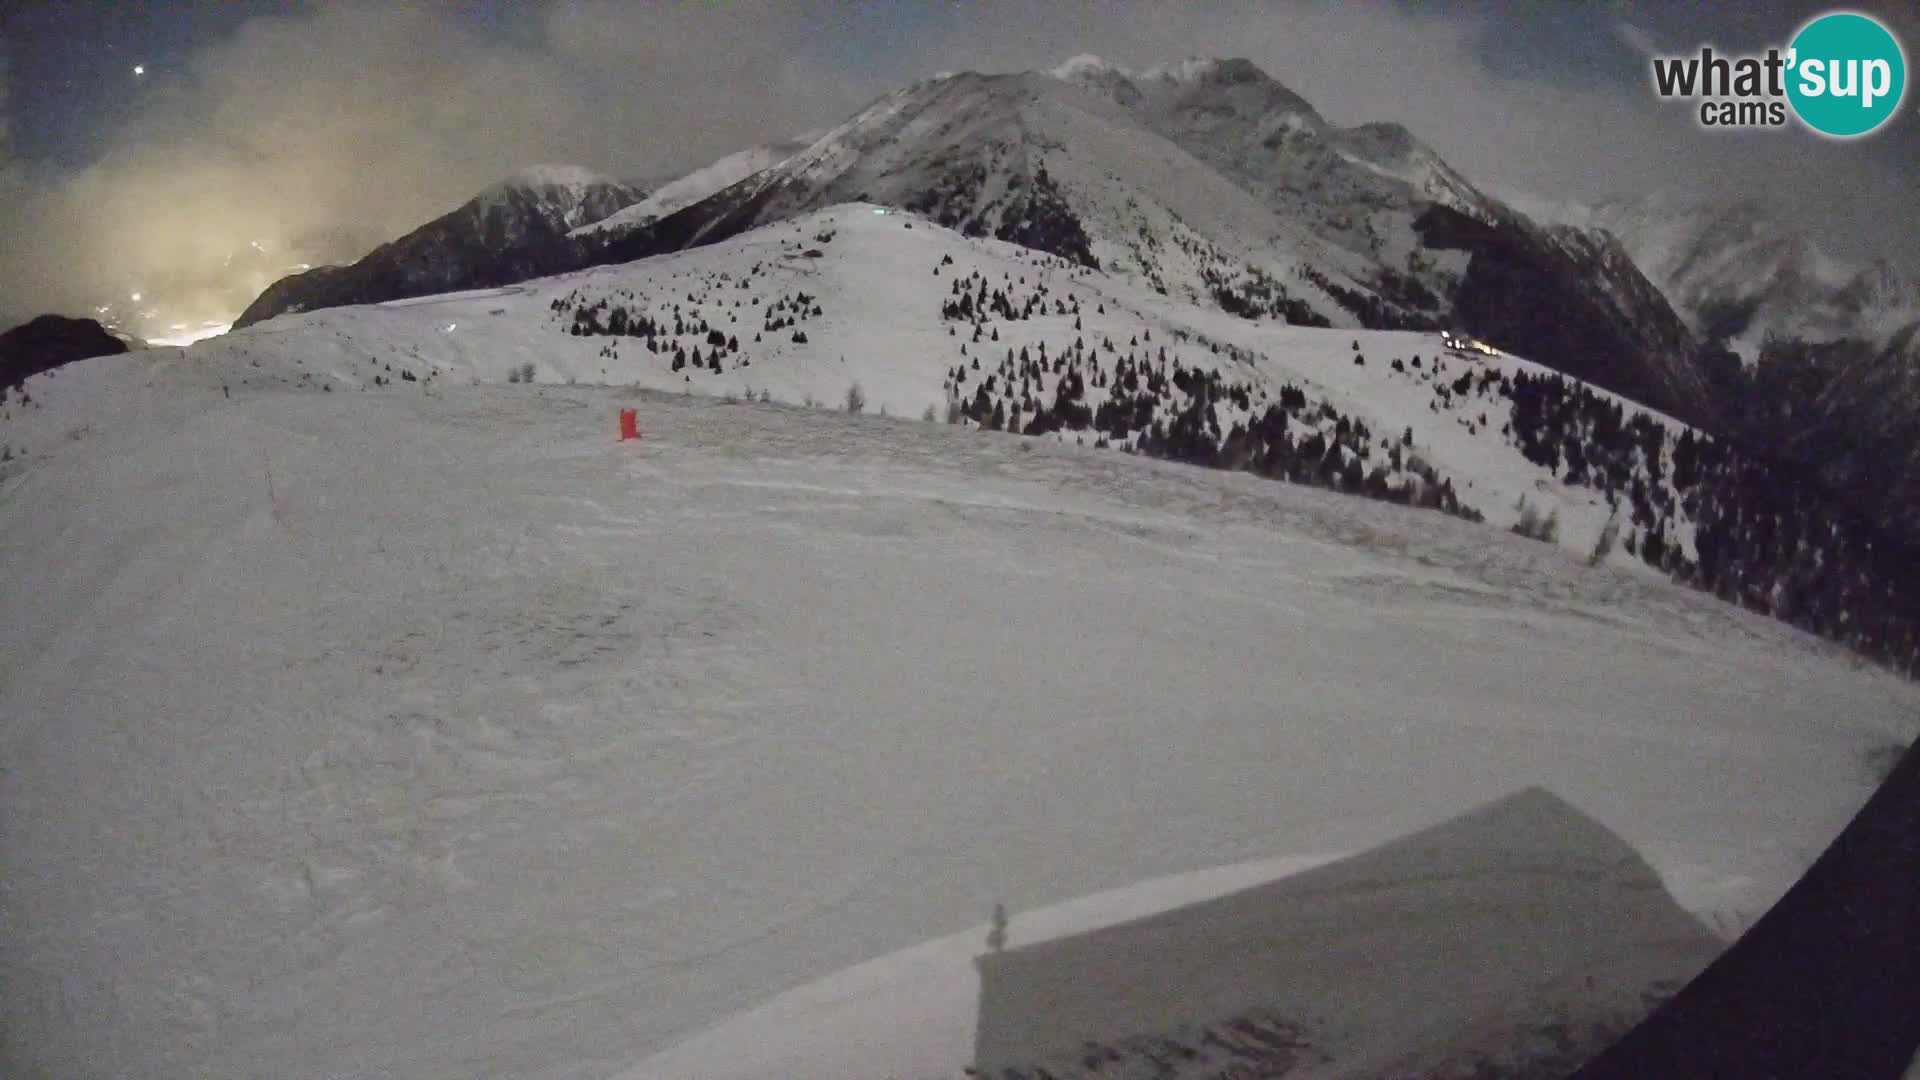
(1740, 273)
(1213, 182)
(1812, 359)
(1207, 179)
(1210, 182)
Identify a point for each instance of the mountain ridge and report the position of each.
(513, 230)
(1739, 271)
(1210, 180)
(1205, 178)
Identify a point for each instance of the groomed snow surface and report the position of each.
(471, 742)
(425, 730)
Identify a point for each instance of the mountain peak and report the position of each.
(573, 177)
(1192, 71)
(1233, 85)
(568, 195)
(1087, 65)
(1198, 69)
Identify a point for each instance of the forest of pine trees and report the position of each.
(1154, 404)
(1765, 536)
(1259, 297)
(707, 347)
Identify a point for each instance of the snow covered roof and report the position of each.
(1468, 916)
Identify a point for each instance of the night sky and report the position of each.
(72, 63)
(70, 67)
(274, 122)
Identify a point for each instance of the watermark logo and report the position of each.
(1852, 75)
(1843, 75)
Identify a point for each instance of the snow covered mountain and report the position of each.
(1739, 272)
(697, 185)
(1248, 126)
(512, 231)
(1210, 181)
(1206, 180)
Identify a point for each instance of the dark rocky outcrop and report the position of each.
(49, 342)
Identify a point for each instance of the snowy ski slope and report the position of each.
(880, 280)
(419, 728)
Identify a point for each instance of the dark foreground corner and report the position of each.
(1826, 984)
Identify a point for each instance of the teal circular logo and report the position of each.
(1846, 75)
